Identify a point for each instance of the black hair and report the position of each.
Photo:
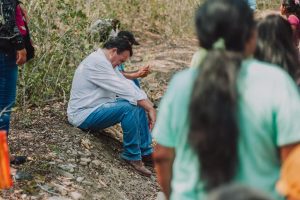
(129, 36)
(213, 125)
(237, 192)
(275, 44)
(120, 43)
(291, 7)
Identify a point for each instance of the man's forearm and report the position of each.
(146, 104)
(130, 75)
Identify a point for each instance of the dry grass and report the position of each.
(59, 31)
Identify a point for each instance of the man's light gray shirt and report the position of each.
(95, 83)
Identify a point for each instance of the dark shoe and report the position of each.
(18, 160)
(138, 165)
(148, 160)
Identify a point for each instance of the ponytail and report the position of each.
(213, 125)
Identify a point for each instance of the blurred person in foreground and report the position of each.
(275, 45)
(231, 120)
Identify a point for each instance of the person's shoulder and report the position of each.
(181, 83)
(183, 79)
(96, 58)
(265, 70)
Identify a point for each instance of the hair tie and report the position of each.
(219, 44)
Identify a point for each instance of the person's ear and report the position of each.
(250, 46)
(114, 50)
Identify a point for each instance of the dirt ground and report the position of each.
(67, 163)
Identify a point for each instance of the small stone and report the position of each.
(71, 160)
(87, 183)
(83, 163)
(68, 167)
(23, 196)
(79, 179)
(85, 159)
(58, 198)
(96, 162)
(76, 195)
(52, 163)
(74, 152)
(65, 174)
(61, 189)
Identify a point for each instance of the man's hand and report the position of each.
(21, 57)
(143, 71)
(151, 112)
(151, 118)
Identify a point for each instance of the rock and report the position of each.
(96, 162)
(88, 183)
(23, 176)
(86, 143)
(61, 189)
(87, 153)
(68, 167)
(79, 179)
(74, 152)
(65, 174)
(58, 198)
(23, 196)
(85, 161)
(76, 195)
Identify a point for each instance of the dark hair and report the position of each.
(237, 192)
(120, 43)
(291, 7)
(129, 36)
(213, 125)
(275, 44)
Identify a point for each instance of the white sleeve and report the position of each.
(105, 77)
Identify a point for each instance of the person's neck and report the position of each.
(106, 54)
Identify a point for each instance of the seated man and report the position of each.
(101, 98)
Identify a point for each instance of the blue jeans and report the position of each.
(252, 4)
(136, 135)
(8, 85)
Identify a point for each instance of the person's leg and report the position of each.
(8, 84)
(146, 138)
(137, 82)
(122, 112)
